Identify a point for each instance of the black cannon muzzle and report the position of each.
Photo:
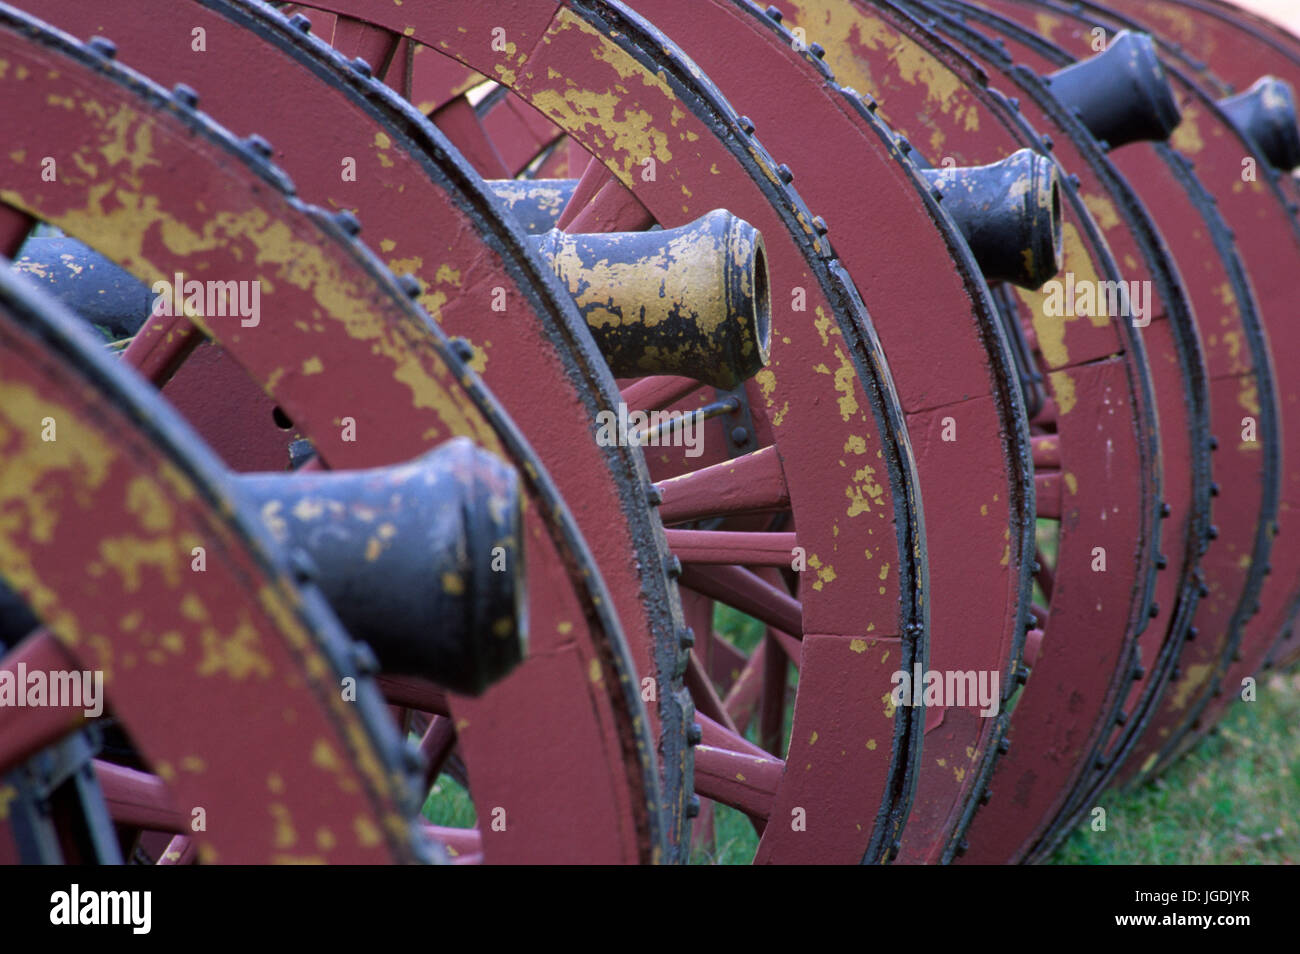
(1122, 95)
(1266, 116)
(423, 561)
(1010, 214)
(690, 301)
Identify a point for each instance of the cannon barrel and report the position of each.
(423, 561)
(691, 301)
(1266, 115)
(94, 288)
(536, 204)
(1010, 214)
(1122, 94)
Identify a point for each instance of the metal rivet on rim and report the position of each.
(348, 222)
(103, 46)
(462, 348)
(259, 145)
(363, 659)
(187, 96)
(410, 285)
(302, 566)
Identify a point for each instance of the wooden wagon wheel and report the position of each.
(820, 424)
(236, 220)
(930, 95)
(1233, 43)
(850, 160)
(1262, 219)
(1222, 50)
(980, 565)
(1202, 246)
(106, 494)
(1170, 334)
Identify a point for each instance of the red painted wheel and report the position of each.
(105, 494)
(1174, 351)
(826, 405)
(1241, 381)
(1265, 233)
(853, 160)
(379, 354)
(1233, 43)
(913, 75)
(967, 414)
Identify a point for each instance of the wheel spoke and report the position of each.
(705, 696)
(732, 547)
(745, 591)
(461, 843)
(14, 229)
(1047, 491)
(1046, 451)
(459, 122)
(181, 850)
(160, 347)
(745, 782)
(414, 693)
(657, 392)
(436, 745)
(24, 731)
(753, 483)
(592, 180)
(139, 799)
(613, 209)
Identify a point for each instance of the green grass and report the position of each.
(1233, 799)
(735, 840)
(449, 804)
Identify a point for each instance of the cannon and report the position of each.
(976, 331)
